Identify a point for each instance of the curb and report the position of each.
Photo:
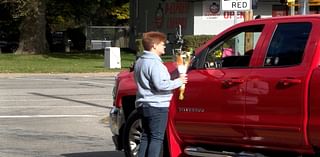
(5, 75)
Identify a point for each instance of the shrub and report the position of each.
(190, 41)
(195, 41)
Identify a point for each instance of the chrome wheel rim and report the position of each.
(135, 136)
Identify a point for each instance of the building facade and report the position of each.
(196, 17)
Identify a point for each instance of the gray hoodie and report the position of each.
(153, 81)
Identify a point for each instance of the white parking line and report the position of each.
(45, 106)
(61, 80)
(53, 99)
(49, 116)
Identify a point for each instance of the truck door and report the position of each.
(276, 89)
(212, 110)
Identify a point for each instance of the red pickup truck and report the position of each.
(260, 99)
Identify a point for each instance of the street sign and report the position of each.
(236, 5)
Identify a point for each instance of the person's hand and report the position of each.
(183, 78)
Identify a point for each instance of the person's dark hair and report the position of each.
(150, 38)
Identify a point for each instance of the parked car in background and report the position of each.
(7, 42)
(8, 46)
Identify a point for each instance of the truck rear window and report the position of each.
(287, 45)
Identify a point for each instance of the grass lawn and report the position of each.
(61, 63)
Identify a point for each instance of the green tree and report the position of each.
(71, 13)
(112, 13)
(80, 13)
(33, 28)
(37, 15)
(33, 24)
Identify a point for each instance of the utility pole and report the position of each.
(248, 15)
(304, 7)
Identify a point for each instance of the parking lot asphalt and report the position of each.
(3, 75)
(56, 115)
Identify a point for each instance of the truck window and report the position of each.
(287, 45)
(235, 49)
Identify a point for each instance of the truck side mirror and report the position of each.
(193, 62)
(131, 68)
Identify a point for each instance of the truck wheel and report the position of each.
(132, 135)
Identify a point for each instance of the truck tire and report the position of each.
(132, 135)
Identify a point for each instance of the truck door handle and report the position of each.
(232, 82)
(289, 81)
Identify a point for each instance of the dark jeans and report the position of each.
(154, 123)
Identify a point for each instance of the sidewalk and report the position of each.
(6, 75)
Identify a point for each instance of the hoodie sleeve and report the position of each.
(161, 78)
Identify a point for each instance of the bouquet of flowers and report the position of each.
(183, 60)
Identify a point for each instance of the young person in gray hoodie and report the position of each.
(154, 93)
